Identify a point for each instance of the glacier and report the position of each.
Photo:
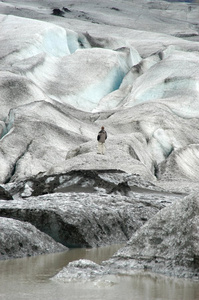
(132, 67)
(61, 79)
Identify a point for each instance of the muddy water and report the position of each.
(29, 279)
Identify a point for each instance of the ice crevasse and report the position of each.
(62, 63)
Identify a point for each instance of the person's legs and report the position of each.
(101, 148)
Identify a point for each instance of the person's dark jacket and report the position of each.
(102, 136)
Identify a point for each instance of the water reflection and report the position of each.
(29, 279)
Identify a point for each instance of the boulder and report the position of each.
(19, 239)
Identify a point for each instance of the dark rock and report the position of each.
(19, 239)
(115, 8)
(66, 9)
(58, 12)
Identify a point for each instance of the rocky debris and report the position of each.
(76, 180)
(168, 243)
(19, 239)
(111, 181)
(86, 219)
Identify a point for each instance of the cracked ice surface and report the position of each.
(118, 64)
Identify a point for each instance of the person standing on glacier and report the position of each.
(101, 137)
